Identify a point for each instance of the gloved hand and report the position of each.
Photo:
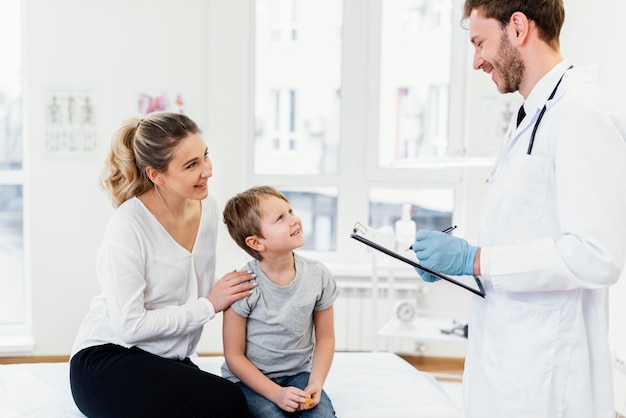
(444, 254)
(427, 277)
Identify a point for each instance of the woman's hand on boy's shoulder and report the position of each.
(232, 287)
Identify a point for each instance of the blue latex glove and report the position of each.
(443, 253)
(427, 277)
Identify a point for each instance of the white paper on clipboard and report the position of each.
(387, 245)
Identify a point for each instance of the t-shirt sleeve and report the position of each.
(330, 291)
(244, 306)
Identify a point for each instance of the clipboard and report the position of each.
(387, 245)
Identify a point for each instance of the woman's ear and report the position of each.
(255, 243)
(154, 176)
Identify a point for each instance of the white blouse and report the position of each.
(153, 290)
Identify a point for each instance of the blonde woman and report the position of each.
(156, 267)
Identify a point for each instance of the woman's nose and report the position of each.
(208, 168)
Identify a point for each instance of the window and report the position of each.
(318, 210)
(296, 88)
(14, 296)
(284, 21)
(352, 110)
(415, 52)
(430, 208)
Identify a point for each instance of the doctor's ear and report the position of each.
(255, 243)
(154, 176)
(519, 27)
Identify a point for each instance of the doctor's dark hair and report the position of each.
(140, 143)
(548, 15)
(243, 215)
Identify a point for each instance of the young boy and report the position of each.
(279, 342)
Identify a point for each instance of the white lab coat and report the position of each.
(553, 239)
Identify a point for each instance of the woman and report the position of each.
(156, 265)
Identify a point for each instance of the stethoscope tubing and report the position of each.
(491, 175)
(543, 111)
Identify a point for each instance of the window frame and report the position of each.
(358, 165)
(18, 337)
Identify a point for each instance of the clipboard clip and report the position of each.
(359, 227)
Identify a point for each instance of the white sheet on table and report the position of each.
(359, 384)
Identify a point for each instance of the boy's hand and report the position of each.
(290, 399)
(313, 395)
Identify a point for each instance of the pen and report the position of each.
(445, 231)
(451, 228)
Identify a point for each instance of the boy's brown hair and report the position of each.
(242, 215)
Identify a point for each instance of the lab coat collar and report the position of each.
(538, 96)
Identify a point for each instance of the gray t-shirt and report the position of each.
(280, 334)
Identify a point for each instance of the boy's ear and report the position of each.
(255, 243)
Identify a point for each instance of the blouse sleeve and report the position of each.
(151, 286)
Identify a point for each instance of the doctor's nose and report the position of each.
(478, 62)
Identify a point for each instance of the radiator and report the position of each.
(361, 310)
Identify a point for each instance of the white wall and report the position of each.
(119, 49)
(199, 47)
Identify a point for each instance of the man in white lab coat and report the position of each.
(553, 228)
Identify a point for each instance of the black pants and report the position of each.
(113, 381)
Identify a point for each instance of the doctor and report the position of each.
(553, 228)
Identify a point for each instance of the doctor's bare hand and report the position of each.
(230, 288)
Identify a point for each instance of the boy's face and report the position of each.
(281, 229)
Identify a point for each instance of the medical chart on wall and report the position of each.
(149, 102)
(70, 123)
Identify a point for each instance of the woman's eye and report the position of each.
(192, 165)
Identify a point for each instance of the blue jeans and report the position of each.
(261, 407)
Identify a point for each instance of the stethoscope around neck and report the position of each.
(543, 111)
(491, 176)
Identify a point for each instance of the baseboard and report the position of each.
(34, 359)
(60, 359)
(444, 368)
